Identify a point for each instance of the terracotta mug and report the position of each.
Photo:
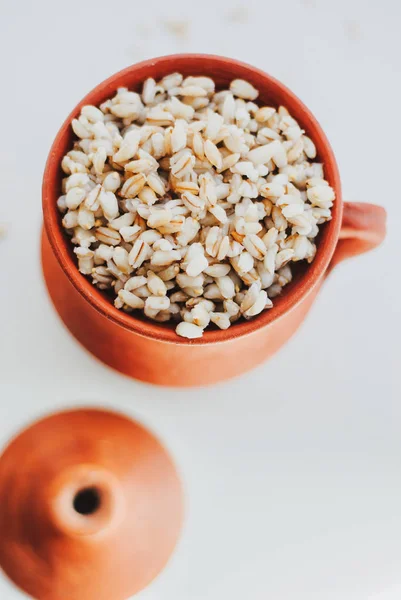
(153, 352)
(91, 507)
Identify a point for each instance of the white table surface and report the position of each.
(292, 472)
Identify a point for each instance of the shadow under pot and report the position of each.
(153, 352)
(91, 507)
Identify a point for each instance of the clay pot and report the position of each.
(90, 507)
(153, 352)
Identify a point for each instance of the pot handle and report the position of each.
(363, 228)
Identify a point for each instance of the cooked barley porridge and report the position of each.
(189, 204)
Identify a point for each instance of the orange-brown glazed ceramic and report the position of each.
(91, 507)
(153, 352)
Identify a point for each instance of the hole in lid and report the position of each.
(87, 501)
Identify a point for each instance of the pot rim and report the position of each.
(283, 304)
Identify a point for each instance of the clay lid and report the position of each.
(90, 507)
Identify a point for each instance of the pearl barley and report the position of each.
(192, 205)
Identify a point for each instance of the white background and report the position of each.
(292, 472)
